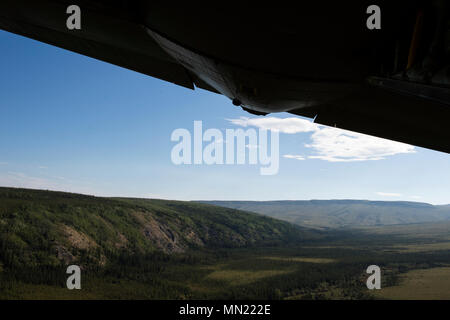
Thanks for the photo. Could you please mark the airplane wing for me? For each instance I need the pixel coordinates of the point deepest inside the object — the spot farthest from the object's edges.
(108, 34)
(319, 61)
(392, 114)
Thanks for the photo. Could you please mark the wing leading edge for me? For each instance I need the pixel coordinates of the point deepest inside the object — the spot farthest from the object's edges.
(117, 32)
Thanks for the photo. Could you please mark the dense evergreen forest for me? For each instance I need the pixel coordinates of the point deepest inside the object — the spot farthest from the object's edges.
(158, 249)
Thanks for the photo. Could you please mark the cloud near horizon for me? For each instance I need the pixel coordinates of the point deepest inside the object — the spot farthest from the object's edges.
(23, 180)
(294, 156)
(328, 143)
(389, 194)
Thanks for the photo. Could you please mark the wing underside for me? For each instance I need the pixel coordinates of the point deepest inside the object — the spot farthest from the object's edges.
(116, 32)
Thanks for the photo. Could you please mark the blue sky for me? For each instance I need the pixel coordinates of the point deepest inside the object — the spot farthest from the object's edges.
(72, 123)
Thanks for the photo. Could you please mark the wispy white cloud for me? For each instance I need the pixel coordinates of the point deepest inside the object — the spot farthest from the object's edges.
(389, 194)
(286, 125)
(331, 144)
(154, 196)
(294, 156)
(337, 145)
(22, 180)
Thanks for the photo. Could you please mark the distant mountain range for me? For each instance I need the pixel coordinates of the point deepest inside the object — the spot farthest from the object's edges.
(343, 213)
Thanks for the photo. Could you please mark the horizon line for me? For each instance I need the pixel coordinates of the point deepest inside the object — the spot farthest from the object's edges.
(234, 200)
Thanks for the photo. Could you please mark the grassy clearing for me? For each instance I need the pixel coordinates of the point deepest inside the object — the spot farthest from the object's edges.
(418, 231)
(253, 269)
(426, 247)
(242, 277)
(301, 259)
(428, 284)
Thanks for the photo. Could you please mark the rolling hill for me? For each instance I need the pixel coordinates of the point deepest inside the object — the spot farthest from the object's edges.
(343, 213)
(49, 228)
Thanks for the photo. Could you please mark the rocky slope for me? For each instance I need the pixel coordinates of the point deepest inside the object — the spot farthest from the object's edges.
(49, 228)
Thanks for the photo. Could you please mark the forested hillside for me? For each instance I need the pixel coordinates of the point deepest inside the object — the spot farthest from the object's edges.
(48, 228)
